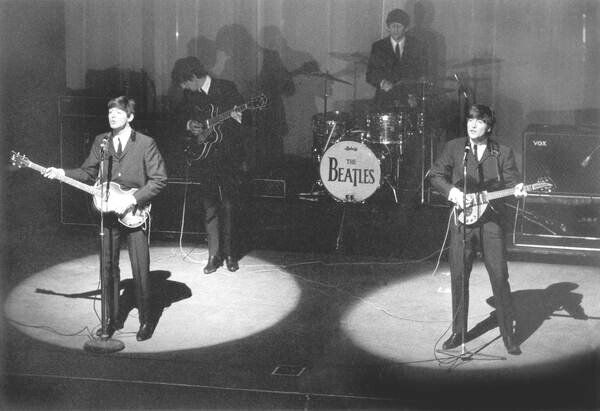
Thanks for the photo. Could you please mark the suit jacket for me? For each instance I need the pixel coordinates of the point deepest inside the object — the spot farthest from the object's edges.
(496, 170)
(225, 157)
(383, 65)
(140, 166)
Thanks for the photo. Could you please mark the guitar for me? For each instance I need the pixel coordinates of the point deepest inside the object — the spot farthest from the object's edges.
(132, 218)
(477, 202)
(200, 145)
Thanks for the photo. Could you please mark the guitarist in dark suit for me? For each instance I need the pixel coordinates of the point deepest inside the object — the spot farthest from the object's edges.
(219, 170)
(490, 166)
(132, 160)
(393, 59)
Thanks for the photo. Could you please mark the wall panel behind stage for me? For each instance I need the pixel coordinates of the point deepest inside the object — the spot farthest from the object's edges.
(545, 51)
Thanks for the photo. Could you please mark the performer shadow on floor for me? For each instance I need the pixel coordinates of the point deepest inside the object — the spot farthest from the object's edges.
(163, 293)
(533, 307)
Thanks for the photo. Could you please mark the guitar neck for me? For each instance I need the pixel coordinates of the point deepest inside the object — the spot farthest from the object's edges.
(219, 118)
(506, 192)
(68, 180)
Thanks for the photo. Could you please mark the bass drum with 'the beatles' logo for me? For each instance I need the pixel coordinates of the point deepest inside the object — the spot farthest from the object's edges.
(350, 171)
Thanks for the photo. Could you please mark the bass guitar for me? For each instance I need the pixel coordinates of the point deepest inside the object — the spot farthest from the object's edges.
(202, 142)
(112, 192)
(477, 202)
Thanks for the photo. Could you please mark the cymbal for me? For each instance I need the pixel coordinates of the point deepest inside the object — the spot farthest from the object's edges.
(356, 57)
(326, 76)
(476, 61)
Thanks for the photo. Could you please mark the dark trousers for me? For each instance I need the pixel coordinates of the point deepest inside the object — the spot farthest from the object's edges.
(489, 236)
(220, 201)
(139, 256)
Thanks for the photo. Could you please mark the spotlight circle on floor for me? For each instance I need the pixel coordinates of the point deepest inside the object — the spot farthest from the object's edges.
(403, 321)
(58, 302)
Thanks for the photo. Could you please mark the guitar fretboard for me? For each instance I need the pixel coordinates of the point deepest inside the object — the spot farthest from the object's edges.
(509, 191)
(219, 118)
(68, 180)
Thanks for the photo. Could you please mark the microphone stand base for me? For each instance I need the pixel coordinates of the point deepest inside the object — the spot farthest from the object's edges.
(103, 346)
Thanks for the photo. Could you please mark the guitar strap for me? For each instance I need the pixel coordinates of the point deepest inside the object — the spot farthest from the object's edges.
(494, 148)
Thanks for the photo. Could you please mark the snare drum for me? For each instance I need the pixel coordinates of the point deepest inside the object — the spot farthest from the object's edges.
(350, 171)
(387, 128)
(335, 123)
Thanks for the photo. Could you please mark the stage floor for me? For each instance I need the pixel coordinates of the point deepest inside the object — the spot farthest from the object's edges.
(298, 330)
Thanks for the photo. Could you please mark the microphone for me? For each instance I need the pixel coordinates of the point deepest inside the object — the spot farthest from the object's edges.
(104, 143)
(586, 161)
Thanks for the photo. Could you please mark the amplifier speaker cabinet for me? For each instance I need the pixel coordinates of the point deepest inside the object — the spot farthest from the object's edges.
(569, 216)
(569, 156)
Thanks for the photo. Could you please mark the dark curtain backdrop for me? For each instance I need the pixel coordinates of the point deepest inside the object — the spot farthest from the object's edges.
(534, 61)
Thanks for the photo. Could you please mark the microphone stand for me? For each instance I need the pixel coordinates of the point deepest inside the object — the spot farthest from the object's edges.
(464, 249)
(103, 344)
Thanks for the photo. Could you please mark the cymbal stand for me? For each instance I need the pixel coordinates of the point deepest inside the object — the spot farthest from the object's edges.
(325, 95)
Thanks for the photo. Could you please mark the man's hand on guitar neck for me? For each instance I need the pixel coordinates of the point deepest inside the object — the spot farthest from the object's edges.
(519, 192)
(236, 114)
(53, 173)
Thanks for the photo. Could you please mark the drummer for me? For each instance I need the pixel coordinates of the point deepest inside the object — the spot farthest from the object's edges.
(396, 64)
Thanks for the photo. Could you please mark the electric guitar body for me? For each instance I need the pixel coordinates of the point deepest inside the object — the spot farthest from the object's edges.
(207, 124)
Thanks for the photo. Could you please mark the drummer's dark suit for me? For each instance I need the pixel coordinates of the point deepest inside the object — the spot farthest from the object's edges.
(496, 170)
(383, 65)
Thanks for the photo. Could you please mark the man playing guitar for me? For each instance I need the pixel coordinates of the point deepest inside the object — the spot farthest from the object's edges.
(492, 166)
(132, 160)
(220, 159)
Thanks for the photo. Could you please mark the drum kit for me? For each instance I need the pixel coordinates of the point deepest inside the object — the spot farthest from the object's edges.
(357, 154)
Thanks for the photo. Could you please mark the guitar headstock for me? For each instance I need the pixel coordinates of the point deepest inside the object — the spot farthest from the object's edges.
(19, 160)
(543, 185)
(258, 102)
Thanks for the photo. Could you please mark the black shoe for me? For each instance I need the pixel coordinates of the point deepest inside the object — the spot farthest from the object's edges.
(145, 332)
(454, 341)
(213, 263)
(232, 264)
(512, 347)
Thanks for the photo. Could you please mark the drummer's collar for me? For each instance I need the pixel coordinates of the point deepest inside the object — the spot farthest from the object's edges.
(400, 42)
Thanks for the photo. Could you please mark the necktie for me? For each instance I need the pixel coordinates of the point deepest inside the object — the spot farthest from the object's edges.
(475, 151)
(397, 51)
(119, 148)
